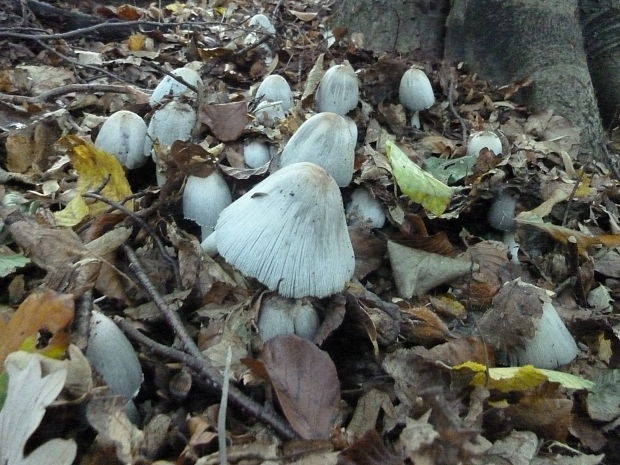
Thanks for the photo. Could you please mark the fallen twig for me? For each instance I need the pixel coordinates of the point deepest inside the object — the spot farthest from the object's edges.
(209, 375)
(58, 91)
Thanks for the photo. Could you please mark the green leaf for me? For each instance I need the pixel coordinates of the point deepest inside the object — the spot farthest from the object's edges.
(450, 171)
(417, 184)
(10, 262)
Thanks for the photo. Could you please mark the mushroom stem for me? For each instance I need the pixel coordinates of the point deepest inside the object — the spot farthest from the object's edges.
(415, 120)
(513, 247)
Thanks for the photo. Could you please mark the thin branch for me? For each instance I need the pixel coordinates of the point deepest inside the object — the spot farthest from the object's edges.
(451, 90)
(58, 91)
(179, 79)
(209, 375)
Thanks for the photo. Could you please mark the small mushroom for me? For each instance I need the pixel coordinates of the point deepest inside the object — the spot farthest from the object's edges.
(484, 140)
(364, 209)
(327, 140)
(170, 86)
(416, 93)
(262, 22)
(338, 90)
(501, 216)
(289, 232)
(281, 316)
(551, 346)
(256, 154)
(274, 88)
(204, 199)
(123, 135)
(114, 358)
(175, 121)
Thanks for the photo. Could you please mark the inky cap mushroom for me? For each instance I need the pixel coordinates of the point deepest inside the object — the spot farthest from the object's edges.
(289, 232)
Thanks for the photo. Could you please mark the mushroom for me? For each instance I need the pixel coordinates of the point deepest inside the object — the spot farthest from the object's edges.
(552, 344)
(501, 216)
(175, 121)
(484, 140)
(114, 358)
(256, 154)
(170, 86)
(338, 90)
(416, 93)
(274, 88)
(123, 135)
(281, 316)
(365, 209)
(204, 199)
(261, 21)
(289, 232)
(327, 140)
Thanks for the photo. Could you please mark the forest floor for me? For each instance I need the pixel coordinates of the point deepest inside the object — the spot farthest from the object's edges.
(447, 345)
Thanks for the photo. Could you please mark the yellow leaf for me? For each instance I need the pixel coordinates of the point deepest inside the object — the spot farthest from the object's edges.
(94, 166)
(417, 184)
(520, 378)
(42, 323)
(135, 42)
(75, 211)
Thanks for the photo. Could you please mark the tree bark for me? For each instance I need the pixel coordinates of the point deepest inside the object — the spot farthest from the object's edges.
(600, 20)
(507, 40)
(401, 26)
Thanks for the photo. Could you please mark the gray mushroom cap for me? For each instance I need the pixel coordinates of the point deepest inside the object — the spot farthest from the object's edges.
(123, 135)
(415, 91)
(170, 86)
(289, 232)
(327, 140)
(274, 88)
(204, 199)
(338, 90)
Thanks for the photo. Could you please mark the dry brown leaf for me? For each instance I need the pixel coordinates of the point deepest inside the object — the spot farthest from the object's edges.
(422, 325)
(306, 384)
(226, 120)
(42, 323)
(369, 450)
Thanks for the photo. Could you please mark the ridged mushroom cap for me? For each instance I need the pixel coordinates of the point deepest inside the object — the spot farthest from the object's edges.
(289, 232)
(123, 135)
(175, 121)
(261, 21)
(484, 139)
(204, 199)
(256, 153)
(365, 209)
(170, 86)
(325, 139)
(338, 90)
(415, 91)
(274, 88)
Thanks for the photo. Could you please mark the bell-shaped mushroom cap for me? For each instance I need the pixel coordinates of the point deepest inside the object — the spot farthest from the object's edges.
(289, 232)
(325, 139)
(256, 154)
(261, 21)
(501, 215)
(172, 87)
(415, 91)
(484, 140)
(204, 199)
(281, 316)
(338, 90)
(175, 121)
(365, 209)
(123, 135)
(274, 88)
(551, 346)
(269, 113)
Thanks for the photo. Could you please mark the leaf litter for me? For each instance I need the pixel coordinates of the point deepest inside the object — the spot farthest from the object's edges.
(406, 365)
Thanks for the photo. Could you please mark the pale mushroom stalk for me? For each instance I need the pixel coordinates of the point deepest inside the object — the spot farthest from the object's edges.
(501, 216)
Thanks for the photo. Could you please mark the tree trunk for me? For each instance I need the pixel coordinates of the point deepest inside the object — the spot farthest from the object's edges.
(507, 40)
(401, 26)
(600, 20)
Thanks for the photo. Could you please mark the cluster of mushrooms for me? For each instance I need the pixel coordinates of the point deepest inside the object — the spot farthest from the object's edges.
(290, 230)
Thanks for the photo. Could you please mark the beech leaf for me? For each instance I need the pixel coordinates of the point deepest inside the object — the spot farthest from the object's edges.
(417, 184)
(306, 384)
